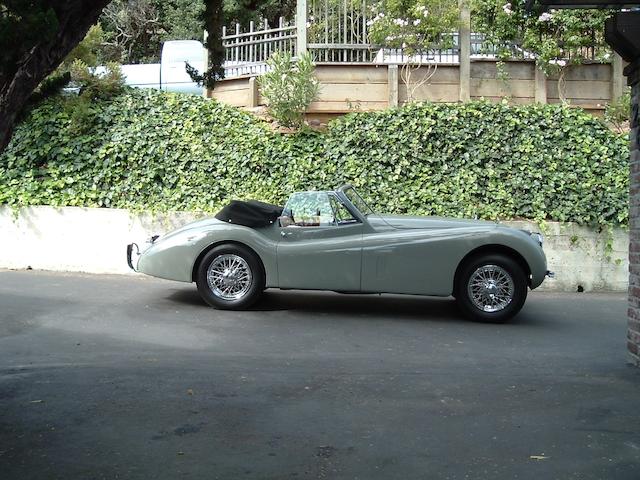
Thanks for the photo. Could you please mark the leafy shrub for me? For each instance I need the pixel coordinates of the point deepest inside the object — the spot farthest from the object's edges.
(289, 87)
(89, 50)
(92, 86)
(617, 112)
(156, 150)
(52, 85)
(97, 85)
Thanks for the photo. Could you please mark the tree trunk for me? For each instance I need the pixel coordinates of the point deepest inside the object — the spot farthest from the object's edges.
(75, 17)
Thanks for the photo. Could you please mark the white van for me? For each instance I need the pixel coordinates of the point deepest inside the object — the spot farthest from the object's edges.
(170, 74)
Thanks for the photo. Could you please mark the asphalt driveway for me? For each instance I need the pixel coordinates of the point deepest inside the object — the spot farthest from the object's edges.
(106, 377)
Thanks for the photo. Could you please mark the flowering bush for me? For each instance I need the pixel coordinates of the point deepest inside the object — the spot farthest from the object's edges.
(414, 25)
(556, 38)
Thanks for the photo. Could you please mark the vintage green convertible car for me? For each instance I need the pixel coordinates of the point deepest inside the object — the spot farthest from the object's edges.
(332, 240)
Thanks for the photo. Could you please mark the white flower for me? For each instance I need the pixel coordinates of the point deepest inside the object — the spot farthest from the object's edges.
(404, 45)
(560, 63)
(370, 22)
(416, 22)
(507, 8)
(545, 17)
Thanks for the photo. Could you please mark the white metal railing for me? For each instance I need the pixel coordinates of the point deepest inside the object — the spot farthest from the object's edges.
(246, 52)
(337, 31)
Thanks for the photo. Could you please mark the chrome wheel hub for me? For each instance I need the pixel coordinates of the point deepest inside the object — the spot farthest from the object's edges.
(229, 277)
(490, 288)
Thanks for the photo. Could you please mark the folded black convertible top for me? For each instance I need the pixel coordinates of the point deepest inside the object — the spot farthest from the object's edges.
(252, 214)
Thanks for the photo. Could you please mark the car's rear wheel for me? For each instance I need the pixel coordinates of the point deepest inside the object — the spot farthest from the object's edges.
(491, 288)
(230, 277)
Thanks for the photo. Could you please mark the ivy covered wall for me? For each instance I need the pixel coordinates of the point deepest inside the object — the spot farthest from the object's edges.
(160, 151)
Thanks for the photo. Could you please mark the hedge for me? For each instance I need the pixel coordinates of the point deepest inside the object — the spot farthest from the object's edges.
(162, 151)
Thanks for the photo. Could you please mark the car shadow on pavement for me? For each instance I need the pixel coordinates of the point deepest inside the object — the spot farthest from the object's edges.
(372, 305)
(187, 296)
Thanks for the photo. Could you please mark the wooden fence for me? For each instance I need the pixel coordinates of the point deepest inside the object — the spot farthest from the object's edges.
(352, 87)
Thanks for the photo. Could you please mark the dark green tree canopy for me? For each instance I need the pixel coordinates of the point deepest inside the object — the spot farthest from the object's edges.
(37, 35)
(32, 22)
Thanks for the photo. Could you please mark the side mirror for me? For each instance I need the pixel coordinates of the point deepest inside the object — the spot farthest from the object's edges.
(285, 221)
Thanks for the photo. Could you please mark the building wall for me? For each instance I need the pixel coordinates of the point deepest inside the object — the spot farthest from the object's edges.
(352, 87)
(633, 333)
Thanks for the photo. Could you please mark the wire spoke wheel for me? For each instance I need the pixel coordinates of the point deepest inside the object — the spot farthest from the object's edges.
(490, 288)
(229, 276)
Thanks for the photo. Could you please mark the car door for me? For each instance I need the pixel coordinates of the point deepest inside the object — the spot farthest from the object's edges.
(320, 246)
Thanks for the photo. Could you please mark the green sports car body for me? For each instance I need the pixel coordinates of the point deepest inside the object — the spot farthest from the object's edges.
(332, 240)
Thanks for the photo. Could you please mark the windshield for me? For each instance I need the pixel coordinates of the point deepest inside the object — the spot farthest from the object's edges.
(357, 200)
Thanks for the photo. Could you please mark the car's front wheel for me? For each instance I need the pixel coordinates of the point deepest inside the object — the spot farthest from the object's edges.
(491, 288)
(230, 277)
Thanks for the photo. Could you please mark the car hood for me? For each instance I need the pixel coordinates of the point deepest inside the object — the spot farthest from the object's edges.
(408, 222)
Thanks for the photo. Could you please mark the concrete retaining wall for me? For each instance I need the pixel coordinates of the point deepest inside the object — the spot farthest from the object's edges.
(583, 259)
(93, 240)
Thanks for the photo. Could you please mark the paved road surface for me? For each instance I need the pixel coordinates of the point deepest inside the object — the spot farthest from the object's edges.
(106, 377)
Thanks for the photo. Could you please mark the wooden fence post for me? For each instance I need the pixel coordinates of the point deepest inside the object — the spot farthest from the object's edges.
(392, 85)
(539, 85)
(301, 27)
(253, 93)
(464, 51)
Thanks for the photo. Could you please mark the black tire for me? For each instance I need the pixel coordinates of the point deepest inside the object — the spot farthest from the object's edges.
(250, 292)
(505, 265)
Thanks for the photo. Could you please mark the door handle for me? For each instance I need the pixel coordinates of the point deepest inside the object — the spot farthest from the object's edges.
(284, 234)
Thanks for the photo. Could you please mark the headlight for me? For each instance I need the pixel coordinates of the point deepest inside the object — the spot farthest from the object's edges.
(538, 237)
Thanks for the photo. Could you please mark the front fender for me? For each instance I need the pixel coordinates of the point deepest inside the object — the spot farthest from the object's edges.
(528, 248)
